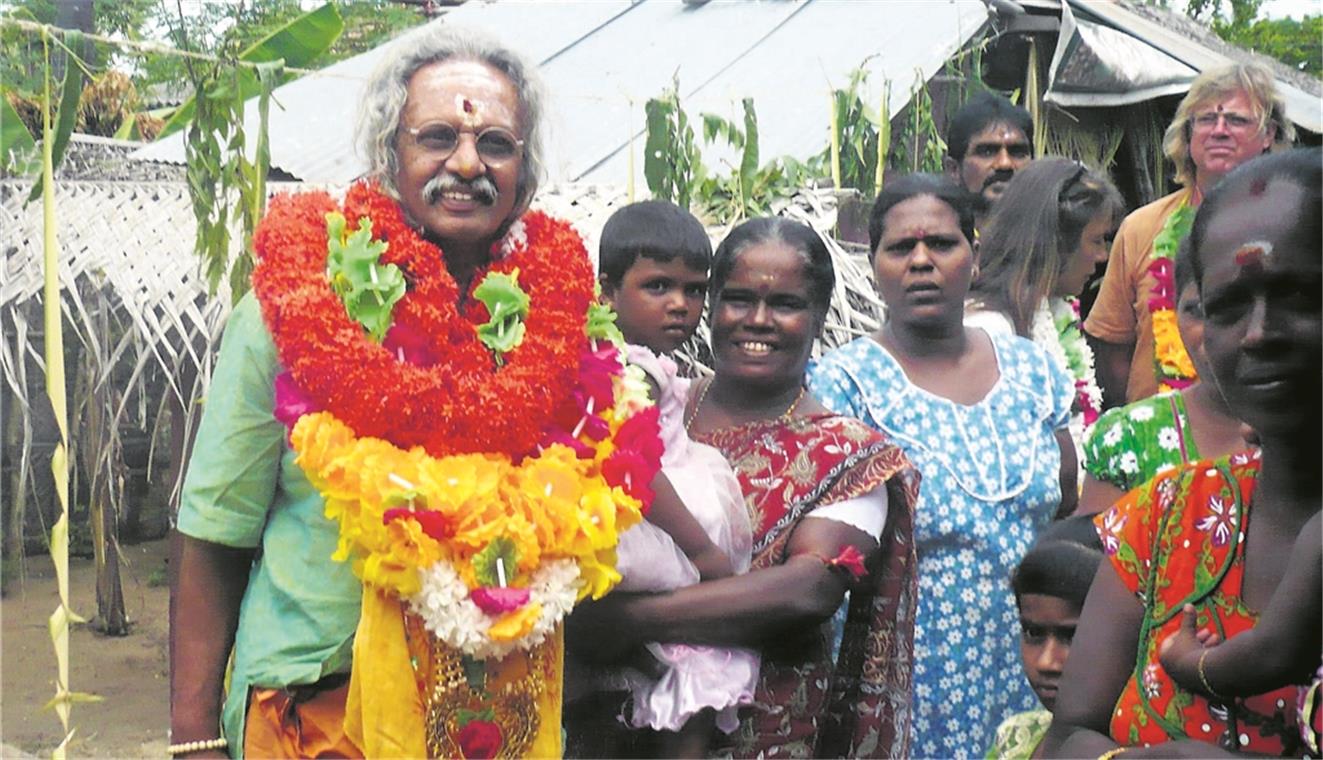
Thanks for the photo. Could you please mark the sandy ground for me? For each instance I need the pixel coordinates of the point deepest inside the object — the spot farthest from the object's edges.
(130, 672)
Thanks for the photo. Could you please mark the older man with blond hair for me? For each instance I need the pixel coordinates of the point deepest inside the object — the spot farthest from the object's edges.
(1230, 115)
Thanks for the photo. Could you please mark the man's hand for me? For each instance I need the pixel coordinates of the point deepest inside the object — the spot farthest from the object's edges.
(1181, 651)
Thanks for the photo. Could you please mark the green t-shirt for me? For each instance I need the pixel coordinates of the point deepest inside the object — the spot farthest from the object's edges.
(1129, 446)
(243, 489)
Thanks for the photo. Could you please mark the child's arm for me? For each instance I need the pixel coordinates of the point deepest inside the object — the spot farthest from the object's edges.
(670, 514)
(1282, 649)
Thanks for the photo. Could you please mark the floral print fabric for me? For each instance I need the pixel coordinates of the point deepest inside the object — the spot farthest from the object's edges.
(1019, 735)
(806, 705)
(1180, 539)
(1130, 445)
(990, 483)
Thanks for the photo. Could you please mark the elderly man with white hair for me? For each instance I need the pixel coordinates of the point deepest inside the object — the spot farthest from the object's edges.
(358, 392)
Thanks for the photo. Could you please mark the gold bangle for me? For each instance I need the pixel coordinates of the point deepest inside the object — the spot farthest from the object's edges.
(197, 746)
(1113, 752)
(1203, 677)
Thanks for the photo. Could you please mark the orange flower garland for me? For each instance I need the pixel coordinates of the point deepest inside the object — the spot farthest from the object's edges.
(464, 403)
(1171, 362)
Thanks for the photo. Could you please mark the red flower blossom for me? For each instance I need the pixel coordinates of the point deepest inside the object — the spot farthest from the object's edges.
(460, 403)
(480, 740)
(1163, 295)
(409, 345)
(851, 561)
(291, 403)
(637, 457)
(433, 523)
(497, 601)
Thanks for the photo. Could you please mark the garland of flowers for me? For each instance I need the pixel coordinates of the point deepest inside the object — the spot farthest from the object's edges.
(1057, 328)
(480, 463)
(450, 397)
(1171, 362)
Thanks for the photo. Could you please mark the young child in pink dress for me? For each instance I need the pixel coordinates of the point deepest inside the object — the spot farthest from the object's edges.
(653, 264)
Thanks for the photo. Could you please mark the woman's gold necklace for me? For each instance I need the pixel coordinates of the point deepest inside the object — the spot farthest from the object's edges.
(702, 396)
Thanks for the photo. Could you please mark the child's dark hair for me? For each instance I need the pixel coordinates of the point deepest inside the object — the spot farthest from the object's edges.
(965, 204)
(1062, 561)
(659, 230)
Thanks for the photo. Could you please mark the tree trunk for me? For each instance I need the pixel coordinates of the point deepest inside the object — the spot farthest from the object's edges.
(100, 455)
(11, 564)
(74, 14)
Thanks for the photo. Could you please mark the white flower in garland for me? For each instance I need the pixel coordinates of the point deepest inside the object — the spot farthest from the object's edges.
(451, 615)
(1056, 328)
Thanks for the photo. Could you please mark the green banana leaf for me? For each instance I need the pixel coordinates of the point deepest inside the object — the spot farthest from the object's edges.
(70, 92)
(18, 151)
(297, 43)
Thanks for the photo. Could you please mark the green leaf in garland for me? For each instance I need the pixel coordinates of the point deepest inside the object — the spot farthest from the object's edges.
(465, 716)
(507, 305)
(368, 288)
(484, 562)
(601, 322)
(1176, 228)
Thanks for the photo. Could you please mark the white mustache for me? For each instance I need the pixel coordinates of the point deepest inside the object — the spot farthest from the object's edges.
(483, 189)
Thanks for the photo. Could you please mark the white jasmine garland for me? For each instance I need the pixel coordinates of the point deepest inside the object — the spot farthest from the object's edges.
(448, 613)
(1056, 328)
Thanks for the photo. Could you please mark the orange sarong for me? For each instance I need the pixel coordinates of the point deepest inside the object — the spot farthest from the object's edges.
(281, 726)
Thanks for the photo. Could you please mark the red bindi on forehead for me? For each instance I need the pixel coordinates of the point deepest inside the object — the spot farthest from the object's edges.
(1252, 257)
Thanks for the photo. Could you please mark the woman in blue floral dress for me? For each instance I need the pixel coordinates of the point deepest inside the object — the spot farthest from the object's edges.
(984, 419)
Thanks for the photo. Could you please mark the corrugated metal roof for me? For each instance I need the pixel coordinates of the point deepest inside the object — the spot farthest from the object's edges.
(603, 59)
(1302, 107)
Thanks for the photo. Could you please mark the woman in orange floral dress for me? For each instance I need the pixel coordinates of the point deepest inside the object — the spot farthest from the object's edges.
(1216, 533)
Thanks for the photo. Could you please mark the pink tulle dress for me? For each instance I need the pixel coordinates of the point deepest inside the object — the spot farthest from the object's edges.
(693, 677)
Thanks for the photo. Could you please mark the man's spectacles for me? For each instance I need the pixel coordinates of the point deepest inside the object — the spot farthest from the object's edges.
(495, 145)
(1235, 122)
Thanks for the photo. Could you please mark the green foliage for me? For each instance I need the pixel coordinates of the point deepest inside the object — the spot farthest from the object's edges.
(499, 549)
(507, 307)
(22, 62)
(1298, 44)
(18, 151)
(216, 27)
(672, 162)
(674, 169)
(860, 127)
(68, 114)
(920, 143)
(368, 289)
(219, 171)
(297, 43)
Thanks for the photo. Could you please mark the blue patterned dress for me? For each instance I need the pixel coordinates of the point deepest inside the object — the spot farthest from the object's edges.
(990, 482)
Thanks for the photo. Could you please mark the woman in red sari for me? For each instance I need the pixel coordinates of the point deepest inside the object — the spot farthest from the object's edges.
(831, 502)
(1215, 534)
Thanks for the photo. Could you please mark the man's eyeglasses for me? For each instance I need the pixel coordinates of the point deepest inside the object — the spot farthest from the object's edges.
(495, 145)
(1207, 122)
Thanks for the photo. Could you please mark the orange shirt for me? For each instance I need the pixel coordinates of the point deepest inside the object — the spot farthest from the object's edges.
(1121, 315)
(1181, 538)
